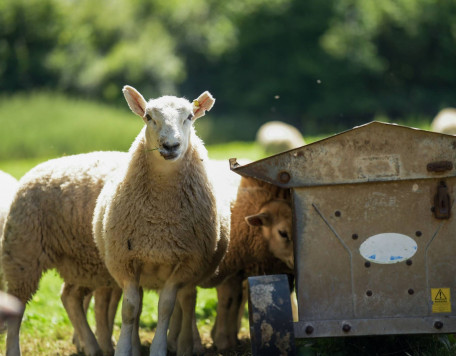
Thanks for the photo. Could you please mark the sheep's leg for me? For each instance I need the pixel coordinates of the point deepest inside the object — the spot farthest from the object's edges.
(116, 293)
(198, 347)
(130, 309)
(229, 295)
(174, 328)
(72, 299)
(166, 303)
(135, 340)
(102, 298)
(245, 295)
(12, 339)
(187, 300)
(86, 303)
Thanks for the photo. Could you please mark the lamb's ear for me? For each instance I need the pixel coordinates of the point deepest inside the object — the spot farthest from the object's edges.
(204, 103)
(261, 219)
(135, 100)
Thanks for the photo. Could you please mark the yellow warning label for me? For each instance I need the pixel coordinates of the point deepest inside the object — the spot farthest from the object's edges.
(441, 300)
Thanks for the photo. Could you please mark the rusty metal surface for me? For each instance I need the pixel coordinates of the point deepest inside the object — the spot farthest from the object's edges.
(335, 281)
(374, 230)
(372, 152)
(362, 327)
(271, 323)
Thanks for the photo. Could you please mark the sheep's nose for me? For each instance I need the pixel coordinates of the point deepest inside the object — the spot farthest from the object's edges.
(171, 147)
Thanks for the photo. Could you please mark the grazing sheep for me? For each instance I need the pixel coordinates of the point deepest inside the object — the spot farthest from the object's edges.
(158, 224)
(260, 227)
(445, 122)
(50, 226)
(277, 136)
(260, 242)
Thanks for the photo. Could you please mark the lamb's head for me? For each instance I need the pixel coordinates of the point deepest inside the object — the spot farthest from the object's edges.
(169, 120)
(275, 220)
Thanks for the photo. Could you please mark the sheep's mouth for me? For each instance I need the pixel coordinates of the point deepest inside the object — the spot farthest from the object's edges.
(169, 156)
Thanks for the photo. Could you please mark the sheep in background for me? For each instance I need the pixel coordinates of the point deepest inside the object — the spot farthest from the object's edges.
(50, 226)
(277, 136)
(445, 122)
(158, 225)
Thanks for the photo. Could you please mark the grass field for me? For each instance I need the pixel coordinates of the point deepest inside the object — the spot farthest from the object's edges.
(36, 127)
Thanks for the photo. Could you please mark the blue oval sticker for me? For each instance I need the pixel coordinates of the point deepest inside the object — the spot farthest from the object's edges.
(388, 248)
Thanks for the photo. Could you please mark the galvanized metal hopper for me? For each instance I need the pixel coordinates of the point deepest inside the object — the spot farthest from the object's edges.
(375, 237)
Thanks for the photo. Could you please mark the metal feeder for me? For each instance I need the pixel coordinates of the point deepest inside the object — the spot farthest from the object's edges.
(375, 240)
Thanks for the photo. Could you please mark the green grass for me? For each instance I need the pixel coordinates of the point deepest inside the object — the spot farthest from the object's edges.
(46, 329)
(51, 125)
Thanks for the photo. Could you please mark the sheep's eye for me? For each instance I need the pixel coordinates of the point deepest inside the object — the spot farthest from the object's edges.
(190, 117)
(148, 117)
(283, 234)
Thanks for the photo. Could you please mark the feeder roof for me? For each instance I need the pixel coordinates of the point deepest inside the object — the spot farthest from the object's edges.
(372, 152)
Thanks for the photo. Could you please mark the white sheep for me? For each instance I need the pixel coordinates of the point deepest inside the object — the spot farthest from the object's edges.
(158, 225)
(8, 186)
(50, 226)
(445, 121)
(277, 136)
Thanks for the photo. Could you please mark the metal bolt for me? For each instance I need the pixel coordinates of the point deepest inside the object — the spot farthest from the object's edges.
(284, 177)
(337, 213)
(438, 325)
(411, 291)
(309, 329)
(418, 233)
(408, 262)
(369, 293)
(355, 236)
(367, 264)
(346, 328)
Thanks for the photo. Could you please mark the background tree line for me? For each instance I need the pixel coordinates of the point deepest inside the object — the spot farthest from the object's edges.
(320, 65)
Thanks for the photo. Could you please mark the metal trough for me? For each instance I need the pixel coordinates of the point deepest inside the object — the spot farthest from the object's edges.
(374, 232)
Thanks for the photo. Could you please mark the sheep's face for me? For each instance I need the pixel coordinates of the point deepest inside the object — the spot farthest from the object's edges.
(275, 220)
(169, 121)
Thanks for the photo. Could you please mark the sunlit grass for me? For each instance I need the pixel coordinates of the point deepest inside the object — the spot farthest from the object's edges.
(51, 125)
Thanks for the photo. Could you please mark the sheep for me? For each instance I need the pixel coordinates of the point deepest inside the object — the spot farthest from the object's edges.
(260, 234)
(277, 136)
(260, 227)
(445, 121)
(50, 226)
(158, 225)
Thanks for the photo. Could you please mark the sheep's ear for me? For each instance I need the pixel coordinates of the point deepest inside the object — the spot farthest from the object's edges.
(204, 103)
(135, 100)
(262, 219)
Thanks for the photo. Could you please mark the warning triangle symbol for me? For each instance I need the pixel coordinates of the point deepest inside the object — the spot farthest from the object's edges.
(440, 297)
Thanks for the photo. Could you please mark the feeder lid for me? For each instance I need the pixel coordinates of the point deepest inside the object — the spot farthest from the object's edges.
(373, 152)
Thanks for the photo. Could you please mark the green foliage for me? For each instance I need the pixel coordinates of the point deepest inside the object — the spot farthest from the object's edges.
(323, 66)
(28, 32)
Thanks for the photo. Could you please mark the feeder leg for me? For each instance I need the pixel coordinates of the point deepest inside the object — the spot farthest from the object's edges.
(271, 321)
